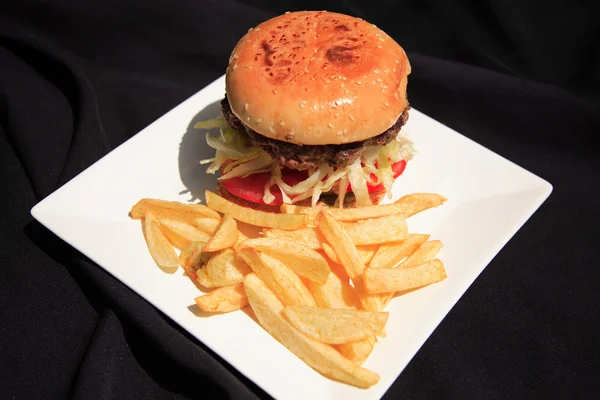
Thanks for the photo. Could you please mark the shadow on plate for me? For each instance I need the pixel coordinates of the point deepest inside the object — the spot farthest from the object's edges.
(192, 150)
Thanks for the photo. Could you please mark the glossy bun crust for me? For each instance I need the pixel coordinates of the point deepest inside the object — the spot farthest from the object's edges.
(317, 78)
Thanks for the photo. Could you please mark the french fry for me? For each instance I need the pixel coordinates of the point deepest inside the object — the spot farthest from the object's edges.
(293, 209)
(225, 236)
(330, 252)
(379, 230)
(321, 357)
(349, 214)
(224, 299)
(241, 237)
(363, 233)
(386, 280)
(390, 254)
(280, 278)
(192, 257)
(254, 217)
(367, 252)
(161, 250)
(358, 351)
(306, 278)
(336, 292)
(415, 203)
(311, 237)
(223, 269)
(346, 252)
(304, 261)
(181, 234)
(335, 326)
(206, 224)
(172, 210)
(364, 252)
(427, 251)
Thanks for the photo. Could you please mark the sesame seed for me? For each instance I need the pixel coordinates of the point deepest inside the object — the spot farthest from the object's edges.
(281, 123)
(235, 56)
(397, 62)
(258, 121)
(330, 125)
(271, 129)
(306, 70)
(322, 107)
(386, 104)
(246, 106)
(366, 85)
(248, 119)
(234, 67)
(358, 82)
(376, 71)
(339, 133)
(302, 104)
(274, 91)
(379, 80)
(341, 85)
(385, 71)
(380, 47)
(257, 29)
(347, 91)
(372, 83)
(385, 86)
(345, 130)
(351, 117)
(393, 69)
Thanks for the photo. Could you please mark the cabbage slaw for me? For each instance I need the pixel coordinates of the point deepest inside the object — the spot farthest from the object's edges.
(233, 145)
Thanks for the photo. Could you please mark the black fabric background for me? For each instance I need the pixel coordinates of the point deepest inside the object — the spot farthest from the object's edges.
(79, 78)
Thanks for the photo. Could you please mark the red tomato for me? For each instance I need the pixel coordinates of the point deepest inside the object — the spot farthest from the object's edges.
(251, 188)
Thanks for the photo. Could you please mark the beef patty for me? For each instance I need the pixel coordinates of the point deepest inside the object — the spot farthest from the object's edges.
(303, 157)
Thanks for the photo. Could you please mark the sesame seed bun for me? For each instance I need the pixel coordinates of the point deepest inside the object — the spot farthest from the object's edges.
(317, 78)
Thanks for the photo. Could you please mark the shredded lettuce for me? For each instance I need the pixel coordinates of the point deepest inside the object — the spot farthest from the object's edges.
(218, 122)
(304, 185)
(357, 179)
(268, 197)
(242, 160)
(263, 160)
(373, 167)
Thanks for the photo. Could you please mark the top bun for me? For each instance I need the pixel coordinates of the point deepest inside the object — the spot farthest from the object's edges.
(317, 78)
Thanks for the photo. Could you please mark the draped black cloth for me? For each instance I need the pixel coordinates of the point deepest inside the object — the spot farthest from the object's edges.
(77, 78)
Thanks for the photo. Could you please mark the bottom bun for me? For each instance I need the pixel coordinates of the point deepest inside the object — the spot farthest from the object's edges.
(326, 198)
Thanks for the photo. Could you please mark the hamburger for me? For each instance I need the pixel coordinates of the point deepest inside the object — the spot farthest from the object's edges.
(313, 110)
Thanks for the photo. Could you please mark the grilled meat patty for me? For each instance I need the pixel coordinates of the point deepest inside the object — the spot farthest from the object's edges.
(303, 157)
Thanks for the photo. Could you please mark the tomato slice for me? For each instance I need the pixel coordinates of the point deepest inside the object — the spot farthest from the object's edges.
(251, 188)
(397, 169)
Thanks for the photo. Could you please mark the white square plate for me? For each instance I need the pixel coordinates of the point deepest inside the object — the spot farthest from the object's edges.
(490, 198)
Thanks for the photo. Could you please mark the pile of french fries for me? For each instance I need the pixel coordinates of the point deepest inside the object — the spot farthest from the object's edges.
(317, 279)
